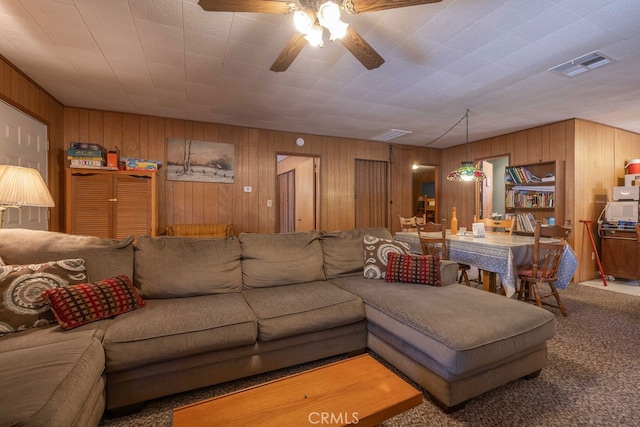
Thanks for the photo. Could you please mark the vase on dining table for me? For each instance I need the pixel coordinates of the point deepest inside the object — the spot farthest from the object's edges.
(454, 223)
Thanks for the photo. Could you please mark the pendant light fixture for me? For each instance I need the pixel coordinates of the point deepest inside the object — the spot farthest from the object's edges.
(467, 172)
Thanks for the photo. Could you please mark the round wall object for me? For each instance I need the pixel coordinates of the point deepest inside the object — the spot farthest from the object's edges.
(299, 142)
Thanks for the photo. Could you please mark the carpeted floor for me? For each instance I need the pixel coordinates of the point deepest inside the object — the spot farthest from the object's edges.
(592, 377)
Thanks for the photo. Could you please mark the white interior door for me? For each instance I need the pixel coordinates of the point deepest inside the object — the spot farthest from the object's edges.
(23, 142)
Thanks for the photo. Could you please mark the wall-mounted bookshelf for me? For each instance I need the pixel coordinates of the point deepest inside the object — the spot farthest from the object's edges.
(535, 192)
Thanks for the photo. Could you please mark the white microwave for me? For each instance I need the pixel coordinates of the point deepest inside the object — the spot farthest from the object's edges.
(621, 211)
(626, 193)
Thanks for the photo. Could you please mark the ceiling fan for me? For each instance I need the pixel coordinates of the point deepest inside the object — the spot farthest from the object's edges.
(311, 17)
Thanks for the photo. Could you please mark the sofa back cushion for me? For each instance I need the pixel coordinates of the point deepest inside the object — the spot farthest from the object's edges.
(169, 267)
(343, 252)
(280, 259)
(103, 257)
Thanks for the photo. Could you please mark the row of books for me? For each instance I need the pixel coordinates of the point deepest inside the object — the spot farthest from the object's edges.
(520, 175)
(525, 222)
(529, 199)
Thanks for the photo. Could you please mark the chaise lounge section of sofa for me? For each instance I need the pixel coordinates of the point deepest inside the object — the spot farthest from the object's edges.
(222, 309)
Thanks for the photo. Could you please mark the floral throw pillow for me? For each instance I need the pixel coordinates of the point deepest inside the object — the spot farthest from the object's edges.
(80, 304)
(421, 269)
(376, 255)
(21, 306)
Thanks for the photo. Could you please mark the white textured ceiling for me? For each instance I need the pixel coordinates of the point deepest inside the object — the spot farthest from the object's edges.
(170, 58)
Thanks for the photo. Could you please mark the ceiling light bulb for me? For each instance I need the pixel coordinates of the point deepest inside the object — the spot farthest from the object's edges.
(328, 14)
(338, 30)
(314, 36)
(304, 20)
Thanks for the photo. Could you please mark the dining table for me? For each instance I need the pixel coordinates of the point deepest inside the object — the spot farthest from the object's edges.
(496, 254)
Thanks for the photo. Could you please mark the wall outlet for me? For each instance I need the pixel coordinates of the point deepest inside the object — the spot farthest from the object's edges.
(248, 189)
(269, 203)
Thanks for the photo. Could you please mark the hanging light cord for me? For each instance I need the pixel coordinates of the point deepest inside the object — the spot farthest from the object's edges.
(466, 115)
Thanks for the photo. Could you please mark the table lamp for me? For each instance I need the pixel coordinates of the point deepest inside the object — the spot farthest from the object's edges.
(22, 187)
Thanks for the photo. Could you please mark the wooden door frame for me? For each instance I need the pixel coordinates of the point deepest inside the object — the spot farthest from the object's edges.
(317, 186)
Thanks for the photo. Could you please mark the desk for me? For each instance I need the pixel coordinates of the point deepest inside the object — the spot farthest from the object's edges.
(497, 253)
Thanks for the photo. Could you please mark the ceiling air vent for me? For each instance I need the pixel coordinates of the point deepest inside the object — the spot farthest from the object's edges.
(582, 64)
(390, 134)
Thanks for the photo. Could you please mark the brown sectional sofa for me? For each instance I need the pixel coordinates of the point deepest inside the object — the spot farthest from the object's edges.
(222, 309)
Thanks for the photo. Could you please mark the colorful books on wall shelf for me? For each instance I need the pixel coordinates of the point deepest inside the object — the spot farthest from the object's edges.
(520, 175)
(530, 197)
(525, 222)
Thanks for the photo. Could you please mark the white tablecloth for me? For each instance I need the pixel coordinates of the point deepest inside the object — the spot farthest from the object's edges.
(500, 253)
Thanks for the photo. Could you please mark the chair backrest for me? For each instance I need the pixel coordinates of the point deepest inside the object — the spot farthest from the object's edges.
(433, 238)
(407, 224)
(555, 231)
(546, 255)
(504, 226)
(421, 219)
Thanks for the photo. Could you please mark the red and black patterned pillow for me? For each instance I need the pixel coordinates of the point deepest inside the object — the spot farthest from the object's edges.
(422, 269)
(80, 304)
(21, 285)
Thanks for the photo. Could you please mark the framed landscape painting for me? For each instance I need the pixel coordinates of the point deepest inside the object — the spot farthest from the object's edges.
(200, 161)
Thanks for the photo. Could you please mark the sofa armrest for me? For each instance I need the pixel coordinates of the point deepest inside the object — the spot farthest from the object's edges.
(448, 272)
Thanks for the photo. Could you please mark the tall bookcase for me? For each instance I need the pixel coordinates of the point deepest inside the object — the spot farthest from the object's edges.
(110, 203)
(535, 192)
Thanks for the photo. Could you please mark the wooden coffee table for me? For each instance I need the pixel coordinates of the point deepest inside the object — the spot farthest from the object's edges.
(358, 390)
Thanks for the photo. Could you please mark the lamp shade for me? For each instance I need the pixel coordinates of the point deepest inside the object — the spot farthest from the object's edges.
(466, 172)
(23, 187)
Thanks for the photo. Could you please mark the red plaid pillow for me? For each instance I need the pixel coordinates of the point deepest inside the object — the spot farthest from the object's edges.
(420, 269)
(79, 304)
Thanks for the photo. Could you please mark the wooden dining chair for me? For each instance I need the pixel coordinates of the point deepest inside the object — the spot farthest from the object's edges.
(543, 271)
(407, 224)
(433, 240)
(421, 219)
(504, 226)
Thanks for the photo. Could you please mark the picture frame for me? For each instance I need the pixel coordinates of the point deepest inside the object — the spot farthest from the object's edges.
(200, 161)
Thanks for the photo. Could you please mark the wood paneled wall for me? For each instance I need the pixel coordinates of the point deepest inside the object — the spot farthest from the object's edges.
(255, 166)
(21, 92)
(594, 156)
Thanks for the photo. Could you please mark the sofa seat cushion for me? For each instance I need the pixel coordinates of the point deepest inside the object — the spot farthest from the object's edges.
(461, 328)
(287, 311)
(52, 334)
(280, 259)
(48, 385)
(173, 328)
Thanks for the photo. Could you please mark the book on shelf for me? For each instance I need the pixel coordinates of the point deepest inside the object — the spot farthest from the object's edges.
(521, 175)
(525, 222)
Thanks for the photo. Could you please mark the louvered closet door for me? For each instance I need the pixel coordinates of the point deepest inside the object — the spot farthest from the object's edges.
(89, 206)
(133, 213)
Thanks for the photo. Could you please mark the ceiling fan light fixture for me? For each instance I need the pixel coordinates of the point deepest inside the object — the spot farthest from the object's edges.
(304, 20)
(329, 17)
(314, 36)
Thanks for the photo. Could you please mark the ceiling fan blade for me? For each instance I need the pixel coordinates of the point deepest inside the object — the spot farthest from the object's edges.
(258, 6)
(361, 49)
(289, 53)
(361, 6)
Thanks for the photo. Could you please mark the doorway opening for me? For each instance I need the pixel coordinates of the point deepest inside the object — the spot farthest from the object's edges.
(490, 193)
(297, 192)
(426, 201)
